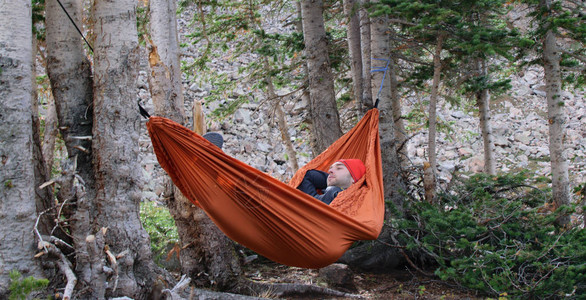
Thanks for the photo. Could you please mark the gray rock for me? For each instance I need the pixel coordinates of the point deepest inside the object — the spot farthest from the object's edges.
(523, 138)
(149, 196)
(476, 164)
(501, 141)
(338, 276)
(458, 114)
(448, 166)
(264, 147)
(242, 115)
(465, 151)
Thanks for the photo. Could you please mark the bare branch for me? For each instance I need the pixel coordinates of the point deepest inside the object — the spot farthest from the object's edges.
(65, 267)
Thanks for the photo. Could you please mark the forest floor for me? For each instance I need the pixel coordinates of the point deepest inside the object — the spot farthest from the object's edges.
(395, 284)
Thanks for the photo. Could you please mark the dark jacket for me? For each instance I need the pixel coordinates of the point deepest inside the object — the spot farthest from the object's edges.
(315, 180)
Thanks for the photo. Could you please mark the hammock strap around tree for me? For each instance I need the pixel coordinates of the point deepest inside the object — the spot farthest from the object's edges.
(267, 216)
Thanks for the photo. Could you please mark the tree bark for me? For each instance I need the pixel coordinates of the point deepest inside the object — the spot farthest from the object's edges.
(430, 179)
(17, 192)
(50, 135)
(282, 120)
(483, 102)
(206, 255)
(305, 98)
(557, 120)
(400, 133)
(115, 146)
(351, 9)
(324, 113)
(393, 184)
(366, 57)
(165, 78)
(70, 75)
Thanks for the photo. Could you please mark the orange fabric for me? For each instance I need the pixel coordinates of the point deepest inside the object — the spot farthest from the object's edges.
(272, 218)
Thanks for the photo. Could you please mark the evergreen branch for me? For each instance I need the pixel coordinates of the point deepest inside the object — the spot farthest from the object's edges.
(574, 55)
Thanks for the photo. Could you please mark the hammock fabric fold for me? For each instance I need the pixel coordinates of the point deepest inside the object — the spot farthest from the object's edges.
(267, 216)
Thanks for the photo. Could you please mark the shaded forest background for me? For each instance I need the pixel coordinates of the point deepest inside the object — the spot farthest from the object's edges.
(473, 200)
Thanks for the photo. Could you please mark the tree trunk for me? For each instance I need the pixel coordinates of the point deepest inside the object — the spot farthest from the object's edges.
(351, 8)
(557, 120)
(71, 84)
(324, 113)
(400, 133)
(116, 150)
(50, 134)
(282, 120)
(393, 184)
(43, 197)
(305, 98)
(430, 176)
(366, 57)
(206, 254)
(17, 192)
(199, 125)
(165, 78)
(483, 101)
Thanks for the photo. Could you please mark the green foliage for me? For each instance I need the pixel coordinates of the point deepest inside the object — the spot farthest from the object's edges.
(568, 22)
(38, 17)
(160, 226)
(497, 234)
(20, 287)
(142, 21)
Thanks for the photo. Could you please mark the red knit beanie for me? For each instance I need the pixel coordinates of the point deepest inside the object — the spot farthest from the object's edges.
(355, 167)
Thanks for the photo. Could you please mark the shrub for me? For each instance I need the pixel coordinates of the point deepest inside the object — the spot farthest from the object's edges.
(20, 287)
(160, 226)
(497, 234)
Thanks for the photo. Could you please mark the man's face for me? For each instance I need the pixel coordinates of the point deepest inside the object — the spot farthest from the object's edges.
(339, 176)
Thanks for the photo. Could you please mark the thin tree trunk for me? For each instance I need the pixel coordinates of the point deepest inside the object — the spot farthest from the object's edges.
(50, 134)
(43, 197)
(164, 61)
(324, 113)
(394, 187)
(305, 98)
(116, 150)
(199, 125)
(366, 57)
(430, 176)
(282, 120)
(17, 190)
(557, 120)
(351, 9)
(483, 101)
(400, 133)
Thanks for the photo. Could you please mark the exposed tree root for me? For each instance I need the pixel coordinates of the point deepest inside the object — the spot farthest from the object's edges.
(289, 289)
(247, 289)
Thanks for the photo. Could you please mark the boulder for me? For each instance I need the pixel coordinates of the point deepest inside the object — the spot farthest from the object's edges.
(338, 276)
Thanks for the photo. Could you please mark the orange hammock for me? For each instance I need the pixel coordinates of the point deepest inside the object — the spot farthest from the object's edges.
(270, 217)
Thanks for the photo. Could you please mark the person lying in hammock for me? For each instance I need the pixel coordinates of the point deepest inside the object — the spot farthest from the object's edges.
(341, 175)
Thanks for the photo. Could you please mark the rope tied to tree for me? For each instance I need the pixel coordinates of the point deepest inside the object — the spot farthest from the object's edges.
(384, 70)
(75, 25)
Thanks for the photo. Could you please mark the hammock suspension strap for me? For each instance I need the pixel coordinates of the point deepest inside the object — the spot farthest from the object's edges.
(384, 70)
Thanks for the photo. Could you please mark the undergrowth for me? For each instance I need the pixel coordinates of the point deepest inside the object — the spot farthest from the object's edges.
(160, 226)
(498, 235)
(21, 288)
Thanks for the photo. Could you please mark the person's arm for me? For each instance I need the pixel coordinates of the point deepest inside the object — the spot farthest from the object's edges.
(314, 180)
(329, 194)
